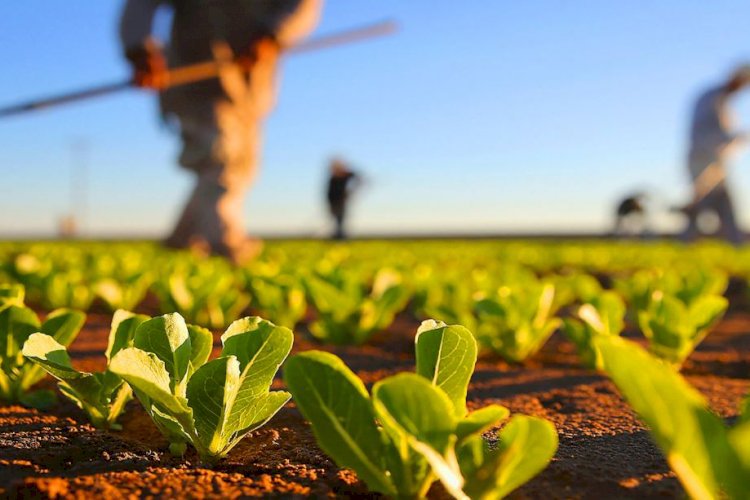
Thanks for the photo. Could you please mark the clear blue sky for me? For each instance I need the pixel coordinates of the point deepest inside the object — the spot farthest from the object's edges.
(487, 115)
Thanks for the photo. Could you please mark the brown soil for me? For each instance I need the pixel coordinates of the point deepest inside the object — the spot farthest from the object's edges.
(604, 451)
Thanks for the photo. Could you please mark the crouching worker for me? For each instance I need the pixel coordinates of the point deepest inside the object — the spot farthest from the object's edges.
(220, 119)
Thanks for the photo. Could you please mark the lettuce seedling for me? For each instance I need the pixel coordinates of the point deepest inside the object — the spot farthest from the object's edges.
(603, 315)
(125, 293)
(707, 456)
(349, 318)
(102, 396)
(518, 320)
(213, 404)
(17, 323)
(206, 293)
(414, 428)
(674, 329)
(280, 298)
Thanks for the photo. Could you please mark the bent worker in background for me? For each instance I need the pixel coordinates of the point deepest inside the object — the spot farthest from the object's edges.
(341, 183)
(712, 140)
(219, 120)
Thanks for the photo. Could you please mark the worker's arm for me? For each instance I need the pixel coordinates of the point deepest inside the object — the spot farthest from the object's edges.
(292, 20)
(140, 47)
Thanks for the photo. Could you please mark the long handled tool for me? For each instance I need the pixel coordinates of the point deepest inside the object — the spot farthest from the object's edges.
(202, 70)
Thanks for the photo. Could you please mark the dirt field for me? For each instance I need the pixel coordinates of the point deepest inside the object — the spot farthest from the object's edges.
(604, 451)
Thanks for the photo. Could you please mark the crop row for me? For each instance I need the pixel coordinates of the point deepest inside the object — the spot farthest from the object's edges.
(411, 430)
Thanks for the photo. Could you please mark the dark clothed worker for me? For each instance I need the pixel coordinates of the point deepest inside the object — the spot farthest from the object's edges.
(219, 120)
(630, 217)
(341, 184)
(713, 139)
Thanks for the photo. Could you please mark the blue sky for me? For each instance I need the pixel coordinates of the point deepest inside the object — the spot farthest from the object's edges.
(476, 116)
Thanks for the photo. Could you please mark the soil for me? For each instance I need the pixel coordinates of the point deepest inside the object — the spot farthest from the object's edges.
(604, 452)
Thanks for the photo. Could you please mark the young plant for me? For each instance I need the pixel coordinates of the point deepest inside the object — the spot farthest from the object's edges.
(414, 428)
(123, 293)
(708, 457)
(17, 323)
(206, 293)
(517, 321)
(350, 318)
(213, 404)
(604, 315)
(674, 329)
(281, 298)
(102, 396)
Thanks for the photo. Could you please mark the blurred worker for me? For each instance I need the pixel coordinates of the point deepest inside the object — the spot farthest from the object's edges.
(630, 217)
(220, 119)
(712, 140)
(341, 184)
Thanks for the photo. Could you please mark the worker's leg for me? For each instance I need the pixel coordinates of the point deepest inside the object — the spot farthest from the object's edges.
(724, 207)
(199, 133)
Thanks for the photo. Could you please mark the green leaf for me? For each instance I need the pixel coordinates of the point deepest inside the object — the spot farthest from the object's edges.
(16, 324)
(261, 347)
(63, 325)
(211, 391)
(122, 331)
(168, 338)
(408, 404)
(691, 437)
(526, 446)
(42, 399)
(82, 388)
(337, 405)
(147, 373)
(446, 356)
(737, 481)
(481, 420)
(12, 294)
(418, 417)
(201, 344)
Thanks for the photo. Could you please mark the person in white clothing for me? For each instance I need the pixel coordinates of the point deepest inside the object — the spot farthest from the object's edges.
(220, 119)
(712, 140)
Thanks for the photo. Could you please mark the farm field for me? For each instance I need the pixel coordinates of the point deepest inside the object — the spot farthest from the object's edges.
(364, 301)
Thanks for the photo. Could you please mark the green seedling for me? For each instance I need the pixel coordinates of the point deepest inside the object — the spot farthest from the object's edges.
(674, 329)
(280, 298)
(517, 321)
(17, 324)
(209, 404)
(205, 292)
(102, 396)
(604, 315)
(351, 318)
(414, 428)
(124, 293)
(710, 459)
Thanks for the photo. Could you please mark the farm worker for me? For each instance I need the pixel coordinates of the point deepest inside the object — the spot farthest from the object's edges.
(712, 140)
(630, 216)
(219, 120)
(341, 184)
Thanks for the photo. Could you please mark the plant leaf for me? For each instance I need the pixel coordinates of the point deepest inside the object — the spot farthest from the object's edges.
(261, 347)
(122, 331)
(690, 436)
(446, 356)
(481, 420)
(337, 405)
(147, 373)
(211, 391)
(201, 344)
(526, 446)
(168, 338)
